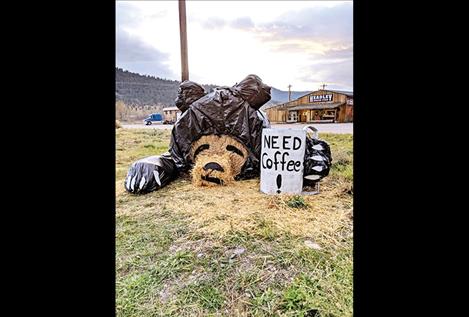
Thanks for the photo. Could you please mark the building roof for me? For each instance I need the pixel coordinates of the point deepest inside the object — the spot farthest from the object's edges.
(170, 108)
(264, 107)
(313, 106)
(343, 92)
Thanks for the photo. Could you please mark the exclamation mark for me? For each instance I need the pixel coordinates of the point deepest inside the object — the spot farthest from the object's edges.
(279, 183)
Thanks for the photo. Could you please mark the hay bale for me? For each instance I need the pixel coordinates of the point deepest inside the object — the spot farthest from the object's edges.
(222, 150)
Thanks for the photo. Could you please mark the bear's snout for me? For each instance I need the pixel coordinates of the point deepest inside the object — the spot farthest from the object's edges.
(213, 166)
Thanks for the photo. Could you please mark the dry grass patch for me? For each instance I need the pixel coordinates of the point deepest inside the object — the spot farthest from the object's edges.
(241, 206)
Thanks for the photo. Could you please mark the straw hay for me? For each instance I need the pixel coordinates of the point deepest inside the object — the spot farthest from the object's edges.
(226, 177)
(241, 206)
(217, 152)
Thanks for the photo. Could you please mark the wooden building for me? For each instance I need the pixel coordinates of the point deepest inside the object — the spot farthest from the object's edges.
(317, 106)
(171, 114)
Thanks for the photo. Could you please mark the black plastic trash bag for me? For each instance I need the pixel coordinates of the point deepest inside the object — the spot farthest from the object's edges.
(253, 91)
(150, 173)
(318, 158)
(188, 93)
(228, 111)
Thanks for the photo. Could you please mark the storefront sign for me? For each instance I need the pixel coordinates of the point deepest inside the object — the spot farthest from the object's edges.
(320, 98)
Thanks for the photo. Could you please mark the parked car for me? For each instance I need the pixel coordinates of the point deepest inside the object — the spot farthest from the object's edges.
(153, 118)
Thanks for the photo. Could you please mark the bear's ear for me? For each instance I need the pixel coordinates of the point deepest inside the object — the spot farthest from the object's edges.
(253, 90)
(261, 97)
(188, 92)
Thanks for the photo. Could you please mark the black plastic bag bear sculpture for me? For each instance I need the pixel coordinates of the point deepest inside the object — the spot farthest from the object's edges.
(218, 139)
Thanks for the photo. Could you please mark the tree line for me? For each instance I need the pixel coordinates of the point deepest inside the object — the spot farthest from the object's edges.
(140, 90)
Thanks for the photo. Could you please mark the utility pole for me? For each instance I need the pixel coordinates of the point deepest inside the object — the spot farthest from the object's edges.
(289, 93)
(183, 38)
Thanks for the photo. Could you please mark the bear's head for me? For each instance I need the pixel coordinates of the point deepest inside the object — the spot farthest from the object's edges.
(218, 159)
(218, 135)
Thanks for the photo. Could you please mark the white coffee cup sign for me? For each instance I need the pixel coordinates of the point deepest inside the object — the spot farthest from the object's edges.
(282, 157)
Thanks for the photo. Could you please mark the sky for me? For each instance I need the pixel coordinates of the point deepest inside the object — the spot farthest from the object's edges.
(299, 43)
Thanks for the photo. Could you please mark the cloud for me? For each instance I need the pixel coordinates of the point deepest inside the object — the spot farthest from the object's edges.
(135, 55)
(132, 52)
(213, 23)
(157, 15)
(345, 52)
(324, 34)
(335, 67)
(321, 24)
(308, 27)
(127, 15)
(337, 75)
(244, 23)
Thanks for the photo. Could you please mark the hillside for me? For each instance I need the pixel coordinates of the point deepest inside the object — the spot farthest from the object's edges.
(279, 96)
(139, 90)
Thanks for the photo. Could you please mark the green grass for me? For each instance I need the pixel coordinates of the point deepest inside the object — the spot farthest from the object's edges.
(167, 266)
(342, 154)
(204, 294)
(297, 202)
(132, 145)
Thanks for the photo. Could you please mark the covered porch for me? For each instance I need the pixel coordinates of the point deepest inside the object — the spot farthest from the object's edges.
(314, 113)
